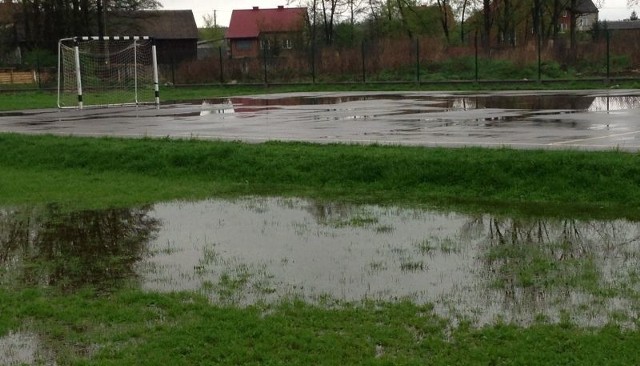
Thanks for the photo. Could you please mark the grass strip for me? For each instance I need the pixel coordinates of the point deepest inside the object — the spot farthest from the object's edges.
(104, 172)
(136, 328)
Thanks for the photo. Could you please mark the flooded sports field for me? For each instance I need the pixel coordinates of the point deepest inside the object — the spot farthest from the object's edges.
(477, 268)
(593, 119)
(480, 267)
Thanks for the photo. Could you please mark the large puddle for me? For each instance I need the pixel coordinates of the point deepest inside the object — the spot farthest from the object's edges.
(533, 103)
(481, 267)
(591, 120)
(409, 117)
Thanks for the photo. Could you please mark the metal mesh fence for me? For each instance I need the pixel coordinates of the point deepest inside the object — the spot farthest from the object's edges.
(610, 57)
(614, 55)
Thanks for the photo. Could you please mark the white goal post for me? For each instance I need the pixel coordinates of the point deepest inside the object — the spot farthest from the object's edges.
(105, 71)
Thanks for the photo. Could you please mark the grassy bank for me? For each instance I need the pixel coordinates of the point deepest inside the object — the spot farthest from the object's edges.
(102, 172)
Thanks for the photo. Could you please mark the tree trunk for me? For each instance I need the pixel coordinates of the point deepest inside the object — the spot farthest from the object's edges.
(444, 17)
(487, 17)
(464, 8)
(100, 14)
(572, 23)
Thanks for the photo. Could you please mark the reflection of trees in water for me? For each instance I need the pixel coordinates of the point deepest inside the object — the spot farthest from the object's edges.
(548, 102)
(70, 250)
(614, 103)
(14, 231)
(331, 212)
(538, 260)
(529, 102)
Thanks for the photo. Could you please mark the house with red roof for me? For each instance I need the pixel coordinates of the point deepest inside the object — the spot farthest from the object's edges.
(586, 14)
(253, 31)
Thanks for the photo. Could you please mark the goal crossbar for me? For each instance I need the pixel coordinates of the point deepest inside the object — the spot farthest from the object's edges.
(107, 70)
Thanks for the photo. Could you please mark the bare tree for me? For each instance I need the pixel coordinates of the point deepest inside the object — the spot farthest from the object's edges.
(554, 23)
(46, 21)
(573, 15)
(329, 10)
(356, 8)
(464, 6)
(445, 16)
(487, 17)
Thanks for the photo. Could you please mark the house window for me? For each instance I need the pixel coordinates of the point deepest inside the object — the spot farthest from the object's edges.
(563, 27)
(243, 45)
(287, 44)
(265, 44)
(583, 23)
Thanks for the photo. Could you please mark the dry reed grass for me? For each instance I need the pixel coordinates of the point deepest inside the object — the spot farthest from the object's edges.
(398, 58)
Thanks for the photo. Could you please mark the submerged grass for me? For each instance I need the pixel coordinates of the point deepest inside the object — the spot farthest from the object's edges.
(114, 172)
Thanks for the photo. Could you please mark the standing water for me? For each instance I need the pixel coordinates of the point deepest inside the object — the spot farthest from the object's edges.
(482, 267)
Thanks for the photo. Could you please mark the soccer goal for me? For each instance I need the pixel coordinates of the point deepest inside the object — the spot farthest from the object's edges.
(105, 71)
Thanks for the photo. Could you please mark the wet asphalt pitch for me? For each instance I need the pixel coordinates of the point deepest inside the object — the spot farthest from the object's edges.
(591, 119)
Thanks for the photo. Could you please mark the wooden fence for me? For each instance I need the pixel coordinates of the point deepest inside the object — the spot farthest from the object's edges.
(10, 76)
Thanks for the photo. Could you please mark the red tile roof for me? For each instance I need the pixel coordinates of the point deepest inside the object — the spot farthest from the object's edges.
(8, 11)
(249, 23)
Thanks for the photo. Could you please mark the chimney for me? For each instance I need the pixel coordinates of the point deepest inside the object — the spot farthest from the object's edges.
(280, 7)
(255, 8)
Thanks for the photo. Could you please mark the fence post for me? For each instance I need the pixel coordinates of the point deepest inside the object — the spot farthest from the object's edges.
(221, 71)
(608, 56)
(313, 47)
(418, 60)
(364, 71)
(173, 69)
(539, 39)
(539, 61)
(264, 59)
(313, 60)
(38, 71)
(476, 55)
(364, 67)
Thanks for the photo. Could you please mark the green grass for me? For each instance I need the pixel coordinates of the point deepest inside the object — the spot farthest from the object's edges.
(107, 172)
(135, 328)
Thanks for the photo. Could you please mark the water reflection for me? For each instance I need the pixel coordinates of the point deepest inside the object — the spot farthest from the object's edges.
(70, 250)
(264, 249)
(478, 266)
(533, 263)
(533, 102)
(24, 348)
(224, 107)
(618, 103)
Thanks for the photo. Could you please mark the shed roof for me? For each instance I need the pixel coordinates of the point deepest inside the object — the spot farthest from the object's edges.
(160, 24)
(249, 23)
(623, 25)
(586, 7)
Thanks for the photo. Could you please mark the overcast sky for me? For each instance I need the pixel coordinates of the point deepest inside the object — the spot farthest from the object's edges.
(611, 10)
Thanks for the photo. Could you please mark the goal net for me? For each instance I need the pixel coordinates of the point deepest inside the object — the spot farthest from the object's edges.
(104, 71)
